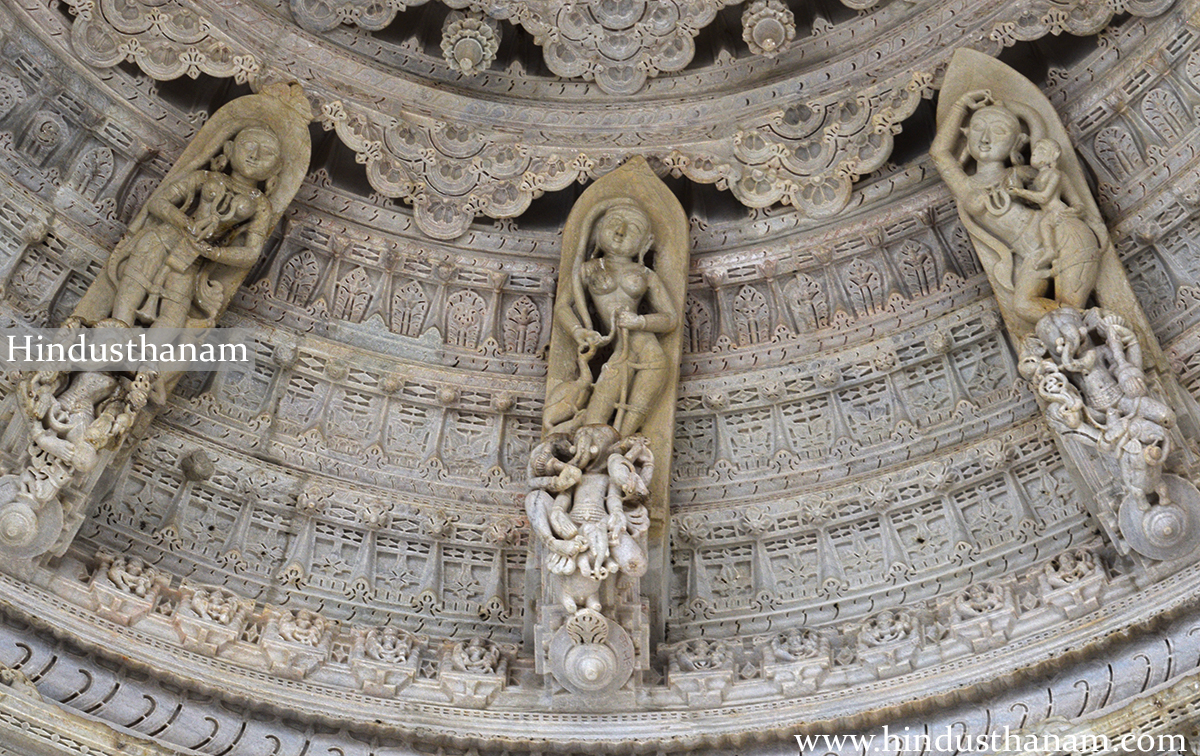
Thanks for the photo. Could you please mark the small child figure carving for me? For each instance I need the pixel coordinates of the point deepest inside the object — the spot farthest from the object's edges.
(1046, 190)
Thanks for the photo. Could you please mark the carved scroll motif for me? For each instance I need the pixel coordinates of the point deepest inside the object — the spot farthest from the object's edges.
(178, 266)
(1086, 345)
(599, 476)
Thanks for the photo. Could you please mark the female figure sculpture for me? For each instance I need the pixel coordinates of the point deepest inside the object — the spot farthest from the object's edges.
(1014, 232)
(188, 249)
(1086, 346)
(987, 115)
(178, 265)
(599, 477)
(205, 216)
(610, 277)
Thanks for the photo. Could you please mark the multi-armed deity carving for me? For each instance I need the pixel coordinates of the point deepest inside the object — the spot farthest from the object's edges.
(1085, 344)
(599, 476)
(178, 266)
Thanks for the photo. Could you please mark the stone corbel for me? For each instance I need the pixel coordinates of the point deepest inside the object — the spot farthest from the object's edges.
(178, 266)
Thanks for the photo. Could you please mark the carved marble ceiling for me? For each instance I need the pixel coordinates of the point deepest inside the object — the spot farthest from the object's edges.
(869, 521)
(801, 127)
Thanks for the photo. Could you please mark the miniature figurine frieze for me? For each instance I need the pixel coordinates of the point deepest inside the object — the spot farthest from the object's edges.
(1085, 344)
(888, 642)
(125, 589)
(1073, 582)
(384, 659)
(701, 670)
(797, 660)
(982, 615)
(210, 618)
(18, 682)
(599, 477)
(296, 642)
(474, 671)
(178, 266)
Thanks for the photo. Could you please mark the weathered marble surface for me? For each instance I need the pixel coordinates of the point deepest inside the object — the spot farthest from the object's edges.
(371, 467)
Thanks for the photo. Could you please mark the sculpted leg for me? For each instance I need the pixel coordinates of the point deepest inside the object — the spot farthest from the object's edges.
(605, 395)
(1029, 294)
(1078, 264)
(646, 387)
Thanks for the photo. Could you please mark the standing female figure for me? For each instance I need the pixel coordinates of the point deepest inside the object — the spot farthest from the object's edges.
(612, 280)
(1007, 232)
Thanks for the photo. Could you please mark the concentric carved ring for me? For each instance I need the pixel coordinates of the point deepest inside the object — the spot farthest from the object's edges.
(599, 662)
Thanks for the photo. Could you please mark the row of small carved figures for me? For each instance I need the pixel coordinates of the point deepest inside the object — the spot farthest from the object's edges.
(291, 643)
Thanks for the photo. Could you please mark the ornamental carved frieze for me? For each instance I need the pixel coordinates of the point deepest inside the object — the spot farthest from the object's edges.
(618, 45)
(805, 144)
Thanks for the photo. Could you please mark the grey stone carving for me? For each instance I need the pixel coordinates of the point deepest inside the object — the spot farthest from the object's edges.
(178, 265)
(606, 422)
(806, 143)
(1087, 370)
(210, 618)
(296, 642)
(470, 41)
(850, 435)
(73, 422)
(617, 45)
(768, 26)
(1048, 256)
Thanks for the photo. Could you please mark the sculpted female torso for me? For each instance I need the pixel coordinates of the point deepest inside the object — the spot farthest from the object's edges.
(206, 215)
(617, 283)
(1010, 228)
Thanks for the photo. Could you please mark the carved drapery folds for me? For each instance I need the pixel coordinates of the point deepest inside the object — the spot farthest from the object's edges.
(600, 474)
(1085, 345)
(179, 264)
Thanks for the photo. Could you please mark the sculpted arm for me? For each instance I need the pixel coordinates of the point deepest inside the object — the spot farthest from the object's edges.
(663, 319)
(1045, 195)
(167, 204)
(567, 317)
(567, 320)
(243, 255)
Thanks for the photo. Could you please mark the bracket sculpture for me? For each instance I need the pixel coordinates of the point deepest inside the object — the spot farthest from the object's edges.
(599, 478)
(1085, 345)
(178, 266)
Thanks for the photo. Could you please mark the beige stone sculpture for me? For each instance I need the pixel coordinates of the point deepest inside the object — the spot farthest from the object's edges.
(599, 477)
(190, 246)
(178, 265)
(988, 116)
(610, 276)
(1086, 346)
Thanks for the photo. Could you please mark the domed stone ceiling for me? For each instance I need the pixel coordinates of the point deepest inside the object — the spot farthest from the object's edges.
(870, 522)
